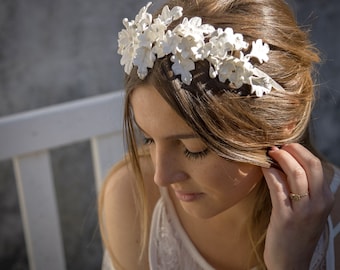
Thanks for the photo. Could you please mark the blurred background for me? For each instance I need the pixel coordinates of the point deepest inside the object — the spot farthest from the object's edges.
(60, 50)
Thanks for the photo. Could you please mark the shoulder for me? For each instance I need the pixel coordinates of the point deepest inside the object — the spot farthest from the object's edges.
(120, 214)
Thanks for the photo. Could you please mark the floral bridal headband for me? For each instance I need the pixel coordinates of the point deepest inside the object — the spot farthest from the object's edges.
(145, 39)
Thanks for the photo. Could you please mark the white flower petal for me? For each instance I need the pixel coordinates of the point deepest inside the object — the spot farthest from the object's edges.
(182, 66)
(167, 16)
(259, 50)
(260, 86)
(144, 59)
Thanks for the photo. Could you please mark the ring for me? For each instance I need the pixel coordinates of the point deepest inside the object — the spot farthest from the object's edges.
(297, 197)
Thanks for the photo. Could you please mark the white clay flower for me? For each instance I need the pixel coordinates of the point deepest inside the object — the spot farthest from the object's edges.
(259, 50)
(170, 43)
(168, 16)
(144, 59)
(143, 19)
(189, 48)
(260, 86)
(193, 28)
(128, 43)
(183, 66)
(241, 74)
(225, 42)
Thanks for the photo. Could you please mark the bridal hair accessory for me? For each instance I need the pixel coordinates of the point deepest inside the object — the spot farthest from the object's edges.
(145, 39)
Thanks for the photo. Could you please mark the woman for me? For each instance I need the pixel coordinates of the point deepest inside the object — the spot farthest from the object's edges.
(221, 92)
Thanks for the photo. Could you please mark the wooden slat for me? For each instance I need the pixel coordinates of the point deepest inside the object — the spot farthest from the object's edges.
(39, 211)
(106, 150)
(60, 124)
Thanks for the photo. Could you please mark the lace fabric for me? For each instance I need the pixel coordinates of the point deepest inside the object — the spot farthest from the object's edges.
(169, 246)
(106, 263)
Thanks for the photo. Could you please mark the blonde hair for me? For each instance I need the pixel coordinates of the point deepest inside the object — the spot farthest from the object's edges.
(237, 126)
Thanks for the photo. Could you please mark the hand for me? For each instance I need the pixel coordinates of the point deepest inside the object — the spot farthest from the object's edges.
(295, 225)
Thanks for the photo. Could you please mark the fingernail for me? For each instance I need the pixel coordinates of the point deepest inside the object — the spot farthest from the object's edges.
(273, 163)
(272, 148)
(275, 148)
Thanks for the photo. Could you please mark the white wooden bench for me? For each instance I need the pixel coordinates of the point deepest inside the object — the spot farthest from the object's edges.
(26, 139)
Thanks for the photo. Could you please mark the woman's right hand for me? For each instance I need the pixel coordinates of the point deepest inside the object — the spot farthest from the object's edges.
(296, 224)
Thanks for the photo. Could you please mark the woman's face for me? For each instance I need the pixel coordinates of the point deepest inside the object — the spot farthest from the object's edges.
(204, 183)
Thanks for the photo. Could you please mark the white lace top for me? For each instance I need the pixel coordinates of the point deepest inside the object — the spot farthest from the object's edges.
(170, 247)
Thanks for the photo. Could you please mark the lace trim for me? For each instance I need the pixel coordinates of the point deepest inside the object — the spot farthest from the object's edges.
(170, 247)
(318, 261)
(324, 257)
(333, 230)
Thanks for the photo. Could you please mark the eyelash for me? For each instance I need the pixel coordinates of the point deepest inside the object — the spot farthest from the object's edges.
(188, 154)
(147, 141)
(196, 155)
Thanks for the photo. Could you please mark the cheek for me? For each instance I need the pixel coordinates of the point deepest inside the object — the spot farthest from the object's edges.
(217, 177)
(231, 175)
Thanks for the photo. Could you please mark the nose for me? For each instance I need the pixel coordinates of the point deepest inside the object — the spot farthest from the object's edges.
(168, 167)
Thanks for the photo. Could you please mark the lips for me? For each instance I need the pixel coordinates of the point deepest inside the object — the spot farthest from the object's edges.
(188, 196)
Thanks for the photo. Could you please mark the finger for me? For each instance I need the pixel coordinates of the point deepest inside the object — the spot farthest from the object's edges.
(278, 189)
(321, 197)
(296, 175)
(312, 167)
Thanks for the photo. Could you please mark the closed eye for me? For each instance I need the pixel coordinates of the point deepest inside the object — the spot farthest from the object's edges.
(196, 155)
(147, 141)
(187, 153)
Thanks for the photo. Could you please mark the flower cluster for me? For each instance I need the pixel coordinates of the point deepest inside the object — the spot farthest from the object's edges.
(145, 39)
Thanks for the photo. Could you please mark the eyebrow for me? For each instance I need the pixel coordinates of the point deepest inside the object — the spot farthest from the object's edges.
(181, 136)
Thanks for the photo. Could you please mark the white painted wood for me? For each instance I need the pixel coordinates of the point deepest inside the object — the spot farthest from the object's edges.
(106, 150)
(60, 124)
(26, 138)
(39, 211)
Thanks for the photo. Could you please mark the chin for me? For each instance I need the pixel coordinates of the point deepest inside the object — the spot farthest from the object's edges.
(204, 212)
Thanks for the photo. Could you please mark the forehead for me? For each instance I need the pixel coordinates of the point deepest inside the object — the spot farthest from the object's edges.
(152, 113)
